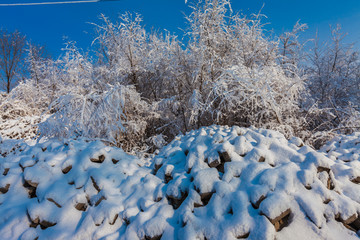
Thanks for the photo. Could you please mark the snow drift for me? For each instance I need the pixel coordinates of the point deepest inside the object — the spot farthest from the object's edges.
(213, 183)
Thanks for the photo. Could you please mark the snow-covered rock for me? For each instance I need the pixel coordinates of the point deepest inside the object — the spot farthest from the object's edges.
(212, 183)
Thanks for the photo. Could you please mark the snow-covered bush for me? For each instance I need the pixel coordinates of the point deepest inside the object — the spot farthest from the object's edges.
(333, 72)
(237, 78)
(334, 84)
(117, 116)
(156, 64)
(19, 113)
(122, 49)
(259, 97)
(325, 123)
(32, 99)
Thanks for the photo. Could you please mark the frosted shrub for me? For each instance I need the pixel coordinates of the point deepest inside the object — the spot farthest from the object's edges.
(261, 97)
(237, 75)
(24, 100)
(333, 81)
(117, 116)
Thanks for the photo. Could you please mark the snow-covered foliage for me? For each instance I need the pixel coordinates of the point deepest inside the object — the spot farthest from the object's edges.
(20, 112)
(117, 116)
(334, 83)
(212, 183)
(22, 101)
(143, 88)
(334, 72)
(291, 49)
(260, 97)
(235, 76)
(235, 68)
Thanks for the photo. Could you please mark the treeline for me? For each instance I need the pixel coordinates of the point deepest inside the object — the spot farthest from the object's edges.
(142, 89)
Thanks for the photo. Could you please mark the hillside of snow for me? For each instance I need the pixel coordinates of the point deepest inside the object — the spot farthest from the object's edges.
(212, 183)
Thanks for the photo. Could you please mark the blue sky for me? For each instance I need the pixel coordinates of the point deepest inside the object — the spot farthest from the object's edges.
(49, 24)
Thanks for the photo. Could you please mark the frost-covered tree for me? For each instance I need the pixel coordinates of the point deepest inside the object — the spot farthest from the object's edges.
(291, 48)
(333, 82)
(37, 58)
(334, 72)
(237, 78)
(122, 49)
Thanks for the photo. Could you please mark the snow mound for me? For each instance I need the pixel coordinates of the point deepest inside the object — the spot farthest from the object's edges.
(72, 190)
(213, 183)
(231, 183)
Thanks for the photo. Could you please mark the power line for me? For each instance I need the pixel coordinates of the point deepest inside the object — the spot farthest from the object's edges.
(47, 3)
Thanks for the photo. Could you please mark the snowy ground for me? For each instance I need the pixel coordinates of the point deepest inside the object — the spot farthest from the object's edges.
(24, 128)
(213, 183)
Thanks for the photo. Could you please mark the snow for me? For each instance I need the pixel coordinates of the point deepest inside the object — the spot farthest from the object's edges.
(214, 183)
(21, 128)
